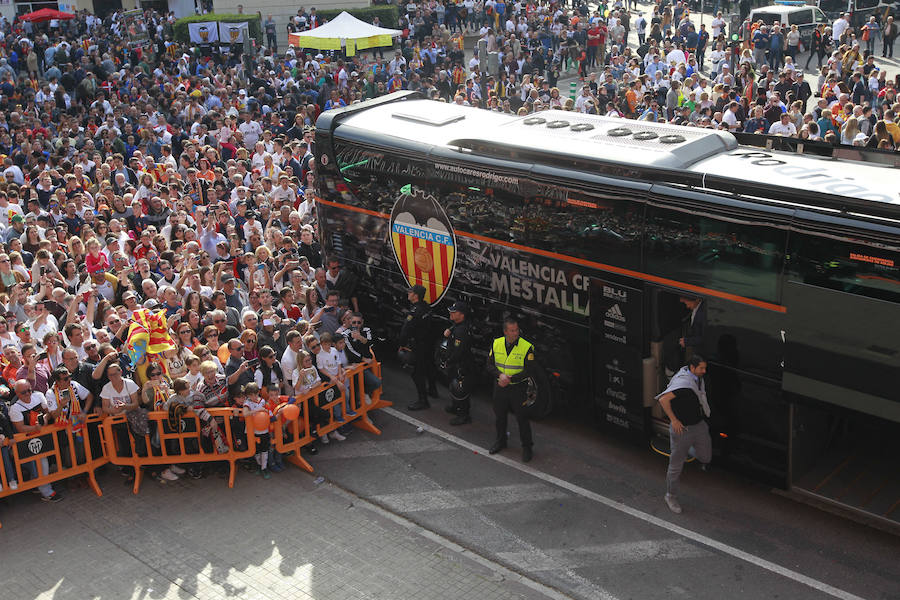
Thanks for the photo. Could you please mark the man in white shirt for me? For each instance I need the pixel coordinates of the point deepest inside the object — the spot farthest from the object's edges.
(717, 24)
(838, 29)
(7, 211)
(251, 130)
(729, 117)
(783, 127)
(289, 362)
(30, 412)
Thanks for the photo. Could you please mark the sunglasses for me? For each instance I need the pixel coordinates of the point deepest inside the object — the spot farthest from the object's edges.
(218, 321)
(66, 378)
(314, 346)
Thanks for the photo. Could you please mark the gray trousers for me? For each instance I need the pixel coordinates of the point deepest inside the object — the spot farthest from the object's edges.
(679, 445)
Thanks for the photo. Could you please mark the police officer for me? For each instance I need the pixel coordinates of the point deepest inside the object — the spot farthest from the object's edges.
(512, 361)
(460, 366)
(414, 337)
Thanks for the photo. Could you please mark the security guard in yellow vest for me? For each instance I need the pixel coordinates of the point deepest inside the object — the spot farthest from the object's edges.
(512, 362)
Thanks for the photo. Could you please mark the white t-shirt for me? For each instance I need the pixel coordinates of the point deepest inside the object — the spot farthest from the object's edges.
(7, 212)
(329, 361)
(838, 29)
(289, 363)
(780, 128)
(252, 132)
(730, 118)
(17, 410)
(119, 398)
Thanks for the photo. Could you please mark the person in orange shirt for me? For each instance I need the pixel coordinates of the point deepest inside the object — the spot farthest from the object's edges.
(12, 362)
(631, 97)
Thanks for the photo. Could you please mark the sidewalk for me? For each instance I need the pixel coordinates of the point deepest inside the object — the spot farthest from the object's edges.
(283, 538)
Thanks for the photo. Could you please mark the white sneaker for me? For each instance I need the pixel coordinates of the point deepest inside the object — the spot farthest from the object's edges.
(367, 399)
(336, 435)
(13, 485)
(168, 475)
(177, 470)
(673, 504)
(323, 439)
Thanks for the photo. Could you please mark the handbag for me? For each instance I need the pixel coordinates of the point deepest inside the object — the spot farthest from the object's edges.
(138, 422)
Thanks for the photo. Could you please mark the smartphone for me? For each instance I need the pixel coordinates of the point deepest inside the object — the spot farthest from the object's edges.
(43, 270)
(260, 267)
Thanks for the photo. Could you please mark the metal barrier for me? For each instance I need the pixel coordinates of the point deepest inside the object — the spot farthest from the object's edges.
(163, 446)
(73, 454)
(57, 453)
(292, 435)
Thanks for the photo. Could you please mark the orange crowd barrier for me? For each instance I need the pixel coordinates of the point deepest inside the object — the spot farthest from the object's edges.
(357, 377)
(57, 453)
(163, 445)
(291, 435)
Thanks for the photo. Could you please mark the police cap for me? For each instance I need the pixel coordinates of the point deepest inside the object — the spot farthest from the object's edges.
(461, 307)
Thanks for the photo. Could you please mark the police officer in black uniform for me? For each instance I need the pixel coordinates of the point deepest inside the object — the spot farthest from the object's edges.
(512, 362)
(414, 337)
(460, 365)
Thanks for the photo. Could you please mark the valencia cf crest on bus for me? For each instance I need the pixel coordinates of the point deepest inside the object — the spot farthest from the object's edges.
(424, 243)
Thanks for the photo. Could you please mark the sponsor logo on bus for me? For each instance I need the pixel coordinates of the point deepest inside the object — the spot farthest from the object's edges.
(615, 294)
(424, 243)
(615, 313)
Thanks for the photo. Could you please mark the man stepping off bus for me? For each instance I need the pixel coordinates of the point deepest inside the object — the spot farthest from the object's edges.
(684, 402)
(512, 362)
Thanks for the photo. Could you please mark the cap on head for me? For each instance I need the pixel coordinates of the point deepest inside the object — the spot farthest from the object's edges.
(460, 307)
(419, 291)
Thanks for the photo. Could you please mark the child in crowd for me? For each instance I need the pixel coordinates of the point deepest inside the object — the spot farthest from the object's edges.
(95, 261)
(193, 376)
(273, 399)
(253, 403)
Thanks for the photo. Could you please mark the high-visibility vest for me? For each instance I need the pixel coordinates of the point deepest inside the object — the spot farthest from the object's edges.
(514, 362)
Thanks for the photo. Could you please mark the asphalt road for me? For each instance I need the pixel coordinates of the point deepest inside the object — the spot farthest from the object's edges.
(421, 512)
(587, 516)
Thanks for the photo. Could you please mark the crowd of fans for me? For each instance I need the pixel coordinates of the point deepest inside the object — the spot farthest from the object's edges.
(180, 179)
(147, 178)
(642, 63)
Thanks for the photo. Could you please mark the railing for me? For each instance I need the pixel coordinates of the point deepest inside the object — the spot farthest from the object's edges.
(57, 453)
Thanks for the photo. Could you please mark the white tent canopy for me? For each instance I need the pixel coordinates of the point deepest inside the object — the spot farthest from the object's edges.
(344, 31)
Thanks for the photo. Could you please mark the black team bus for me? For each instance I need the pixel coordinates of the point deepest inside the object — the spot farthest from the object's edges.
(625, 246)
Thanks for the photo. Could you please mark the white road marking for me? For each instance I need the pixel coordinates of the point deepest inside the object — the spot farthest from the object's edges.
(589, 589)
(335, 450)
(609, 554)
(633, 512)
(445, 499)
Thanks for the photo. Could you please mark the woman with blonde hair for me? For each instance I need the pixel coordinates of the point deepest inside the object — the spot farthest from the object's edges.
(555, 100)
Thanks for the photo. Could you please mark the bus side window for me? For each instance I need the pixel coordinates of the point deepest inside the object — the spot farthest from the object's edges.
(851, 267)
(742, 258)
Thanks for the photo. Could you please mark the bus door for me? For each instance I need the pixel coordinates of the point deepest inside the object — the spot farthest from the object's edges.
(670, 319)
(617, 353)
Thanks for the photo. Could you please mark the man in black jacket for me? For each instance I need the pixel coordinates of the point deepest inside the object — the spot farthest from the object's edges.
(414, 338)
